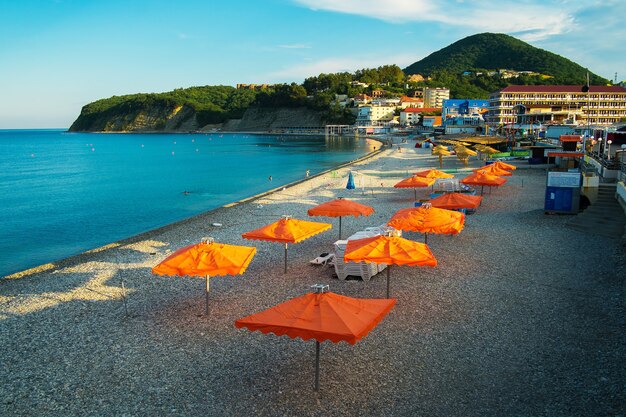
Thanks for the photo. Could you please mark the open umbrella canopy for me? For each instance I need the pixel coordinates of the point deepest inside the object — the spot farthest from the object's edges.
(320, 316)
(453, 201)
(489, 150)
(463, 150)
(390, 250)
(415, 182)
(433, 173)
(492, 169)
(441, 150)
(425, 219)
(340, 207)
(287, 230)
(505, 166)
(481, 178)
(206, 259)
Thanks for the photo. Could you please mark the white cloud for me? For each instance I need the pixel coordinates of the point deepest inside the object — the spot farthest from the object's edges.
(533, 20)
(300, 71)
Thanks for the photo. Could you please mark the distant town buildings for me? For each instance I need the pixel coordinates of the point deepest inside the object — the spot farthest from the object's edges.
(602, 105)
(257, 87)
(369, 115)
(464, 116)
(411, 116)
(463, 107)
(434, 97)
(411, 102)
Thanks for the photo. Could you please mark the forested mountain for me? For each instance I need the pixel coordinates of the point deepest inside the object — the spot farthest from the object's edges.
(493, 51)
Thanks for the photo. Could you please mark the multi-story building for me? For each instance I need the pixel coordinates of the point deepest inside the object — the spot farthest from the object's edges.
(411, 102)
(411, 115)
(462, 107)
(374, 115)
(601, 105)
(434, 97)
(464, 116)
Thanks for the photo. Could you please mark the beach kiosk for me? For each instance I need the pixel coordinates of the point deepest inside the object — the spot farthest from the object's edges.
(562, 192)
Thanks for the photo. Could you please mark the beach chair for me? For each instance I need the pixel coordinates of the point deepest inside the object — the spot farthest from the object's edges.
(323, 259)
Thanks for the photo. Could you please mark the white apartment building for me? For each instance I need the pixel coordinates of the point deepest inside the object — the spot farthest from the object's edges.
(434, 97)
(602, 105)
(374, 115)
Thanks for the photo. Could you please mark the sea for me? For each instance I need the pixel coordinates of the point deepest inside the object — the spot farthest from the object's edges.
(65, 193)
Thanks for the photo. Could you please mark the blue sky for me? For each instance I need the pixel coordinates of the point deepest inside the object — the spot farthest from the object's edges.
(58, 55)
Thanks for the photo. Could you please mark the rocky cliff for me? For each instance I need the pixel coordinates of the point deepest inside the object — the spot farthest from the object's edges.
(159, 116)
(260, 119)
(167, 117)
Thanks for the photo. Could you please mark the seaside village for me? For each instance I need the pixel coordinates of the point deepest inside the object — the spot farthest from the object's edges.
(476, 245)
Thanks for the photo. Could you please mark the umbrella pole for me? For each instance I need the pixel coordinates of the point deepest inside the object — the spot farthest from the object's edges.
(124, 296)
(339, 227)
(286, 258)
(317, 365)
(482, 188)
(415, 194)
(388, 274)
(206, 303)
(425, 238)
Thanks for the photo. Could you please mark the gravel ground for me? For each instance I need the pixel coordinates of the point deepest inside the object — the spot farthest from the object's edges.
(522, 317)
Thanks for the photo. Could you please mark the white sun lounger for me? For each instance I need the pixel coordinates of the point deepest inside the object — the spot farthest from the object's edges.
(323, 259)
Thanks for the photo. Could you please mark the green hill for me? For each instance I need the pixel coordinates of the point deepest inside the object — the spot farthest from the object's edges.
(493, 51)
(174, 110)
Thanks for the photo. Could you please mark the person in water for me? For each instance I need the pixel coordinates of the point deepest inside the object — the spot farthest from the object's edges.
(185, 192)
(269, 178)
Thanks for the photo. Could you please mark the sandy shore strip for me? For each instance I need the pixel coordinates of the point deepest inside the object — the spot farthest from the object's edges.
(522, 316)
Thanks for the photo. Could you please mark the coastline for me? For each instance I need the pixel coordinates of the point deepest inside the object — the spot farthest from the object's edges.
(86, 255)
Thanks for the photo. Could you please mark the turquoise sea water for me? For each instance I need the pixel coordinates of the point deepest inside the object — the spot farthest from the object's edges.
(64, 193)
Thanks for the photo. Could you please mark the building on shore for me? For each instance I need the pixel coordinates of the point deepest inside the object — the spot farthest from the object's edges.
(464, 116)
(412, 115)
(370, 115)
(434, 97)
(601, 105)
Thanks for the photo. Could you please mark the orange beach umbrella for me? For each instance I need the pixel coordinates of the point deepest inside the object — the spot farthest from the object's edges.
(205, 259)
(340, 207)
(390, 250)
(453, 201)
(505, 166)
(433, 173)
(482, 179)
(415, 182)
(427, 219)
(320, 316)
(492, 169)
(287, 230)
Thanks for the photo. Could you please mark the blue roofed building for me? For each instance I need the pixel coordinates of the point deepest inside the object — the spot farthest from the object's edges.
(464, 115)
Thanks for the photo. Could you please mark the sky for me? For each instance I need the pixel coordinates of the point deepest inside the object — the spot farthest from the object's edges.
(58, 55)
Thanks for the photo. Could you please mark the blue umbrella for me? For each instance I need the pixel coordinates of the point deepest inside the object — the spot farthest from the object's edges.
(350, 185)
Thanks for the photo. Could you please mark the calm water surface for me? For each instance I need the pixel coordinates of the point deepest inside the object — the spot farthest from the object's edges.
(64, 193)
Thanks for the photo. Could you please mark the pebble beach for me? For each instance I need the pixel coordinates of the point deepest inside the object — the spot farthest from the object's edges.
(521, 316)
